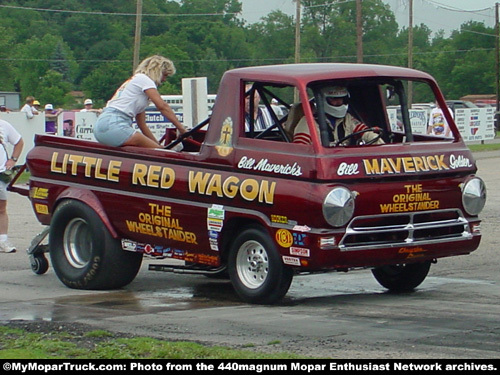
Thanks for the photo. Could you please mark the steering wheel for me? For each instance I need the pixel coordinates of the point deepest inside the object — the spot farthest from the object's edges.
(380, 132)
(186, 135)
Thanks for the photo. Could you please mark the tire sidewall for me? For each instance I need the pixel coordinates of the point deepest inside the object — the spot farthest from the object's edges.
(278, 279)
(86, 277)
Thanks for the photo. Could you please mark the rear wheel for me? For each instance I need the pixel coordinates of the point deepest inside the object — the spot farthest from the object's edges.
(402, 277)
(83, 252)
(255, 268)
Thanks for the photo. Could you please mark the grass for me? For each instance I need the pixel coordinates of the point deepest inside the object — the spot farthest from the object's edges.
(16, 343)
(485, 147)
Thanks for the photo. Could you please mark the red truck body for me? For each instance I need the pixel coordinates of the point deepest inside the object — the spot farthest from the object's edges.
(255, 204)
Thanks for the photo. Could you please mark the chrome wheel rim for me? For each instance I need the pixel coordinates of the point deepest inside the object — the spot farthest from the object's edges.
(77, 243)
(252, 264)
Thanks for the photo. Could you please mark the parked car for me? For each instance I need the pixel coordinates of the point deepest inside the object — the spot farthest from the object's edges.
(455, 104)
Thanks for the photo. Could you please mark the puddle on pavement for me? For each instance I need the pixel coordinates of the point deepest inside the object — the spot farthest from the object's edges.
(103, 304)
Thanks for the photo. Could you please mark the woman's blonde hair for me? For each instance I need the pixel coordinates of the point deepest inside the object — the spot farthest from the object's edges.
(154, 67)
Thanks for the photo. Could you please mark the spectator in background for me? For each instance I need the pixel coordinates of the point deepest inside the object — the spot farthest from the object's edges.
(4, 109)
(261, 117)
(36, 105)
(89, 107)
(51, 118)
(276, 108)
(437, 122)
(7, 135)
(28, 108)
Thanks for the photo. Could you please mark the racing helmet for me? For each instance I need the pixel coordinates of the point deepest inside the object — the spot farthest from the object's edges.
(336, 92)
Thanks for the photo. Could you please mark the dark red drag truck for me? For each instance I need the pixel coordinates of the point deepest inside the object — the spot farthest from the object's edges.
(255, 205)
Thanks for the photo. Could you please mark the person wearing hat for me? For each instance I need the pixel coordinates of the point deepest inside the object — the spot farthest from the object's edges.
(51, 118)
(339, 121)
(36, 105)
(29, 108)
(89, 106)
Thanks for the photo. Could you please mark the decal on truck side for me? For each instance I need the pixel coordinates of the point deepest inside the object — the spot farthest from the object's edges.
(413, 199)
(161, 177)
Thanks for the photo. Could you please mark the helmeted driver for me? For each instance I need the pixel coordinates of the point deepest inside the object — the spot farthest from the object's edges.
(339, 121)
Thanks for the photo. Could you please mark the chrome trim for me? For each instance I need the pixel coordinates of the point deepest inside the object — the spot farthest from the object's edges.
(407, 229)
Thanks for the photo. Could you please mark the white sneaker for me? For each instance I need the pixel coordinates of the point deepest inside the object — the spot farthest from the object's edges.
(7, 247)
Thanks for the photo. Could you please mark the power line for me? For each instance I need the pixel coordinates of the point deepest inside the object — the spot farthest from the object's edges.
(455, 9)
(260, 59)
(116, 14)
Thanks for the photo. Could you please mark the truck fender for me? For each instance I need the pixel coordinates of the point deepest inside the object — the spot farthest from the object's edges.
(89, 198)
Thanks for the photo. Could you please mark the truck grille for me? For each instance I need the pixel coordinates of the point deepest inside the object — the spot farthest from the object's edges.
(415, 228)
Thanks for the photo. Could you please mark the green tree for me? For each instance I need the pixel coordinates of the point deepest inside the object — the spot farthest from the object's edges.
(53, 89)
(272, 39)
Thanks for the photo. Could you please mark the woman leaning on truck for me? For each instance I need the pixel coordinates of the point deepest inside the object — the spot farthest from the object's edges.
(114, 125)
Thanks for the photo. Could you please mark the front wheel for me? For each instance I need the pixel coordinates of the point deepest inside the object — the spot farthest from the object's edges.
(83, 252)
(255, 268)
(402, 277)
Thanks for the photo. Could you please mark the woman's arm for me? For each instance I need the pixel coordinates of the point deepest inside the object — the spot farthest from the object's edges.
(141, 122)
(165, 109)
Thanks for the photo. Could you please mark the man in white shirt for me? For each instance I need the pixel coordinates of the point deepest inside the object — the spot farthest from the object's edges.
(7, 135)
(28, 108)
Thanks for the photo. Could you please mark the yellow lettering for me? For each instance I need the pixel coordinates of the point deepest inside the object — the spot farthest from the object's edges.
(198, 182)
(396, 165)
(167, 178)
(154, 176)
(371, 168)
(89, 163)
(98, 174)
(408, 164)
(249, 189)
(230, 187)
(215, 186)
(139, 174)
(53, 163)
(114, 170)
(266, 193)
(74, 160)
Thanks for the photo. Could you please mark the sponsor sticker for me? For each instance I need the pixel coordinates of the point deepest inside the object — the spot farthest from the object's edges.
(291, 261)
(284, 238)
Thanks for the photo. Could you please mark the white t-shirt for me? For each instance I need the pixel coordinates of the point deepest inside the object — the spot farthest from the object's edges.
(130, 98)
(438, 124)
(29, 110)
(7, 135)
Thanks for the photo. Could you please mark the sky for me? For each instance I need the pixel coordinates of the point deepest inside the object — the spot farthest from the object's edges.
(447, 15)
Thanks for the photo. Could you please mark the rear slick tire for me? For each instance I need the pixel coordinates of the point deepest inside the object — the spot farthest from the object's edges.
(255, 268)
(83, 253)
(402, 278)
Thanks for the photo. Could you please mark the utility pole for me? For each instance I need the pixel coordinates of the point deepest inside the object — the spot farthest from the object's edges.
(297, 32)
(497, 65)
(359, 31)
(297, 44)
(138, 28)
(410, 51)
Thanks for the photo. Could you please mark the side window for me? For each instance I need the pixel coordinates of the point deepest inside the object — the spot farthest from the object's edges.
(266, 108)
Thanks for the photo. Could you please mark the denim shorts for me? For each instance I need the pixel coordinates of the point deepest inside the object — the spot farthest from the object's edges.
(113, 127)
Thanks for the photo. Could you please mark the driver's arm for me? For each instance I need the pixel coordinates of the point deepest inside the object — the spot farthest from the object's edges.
(355, 126)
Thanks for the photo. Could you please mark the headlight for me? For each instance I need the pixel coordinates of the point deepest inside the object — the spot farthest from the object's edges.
(338, 206)
(474, 196)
